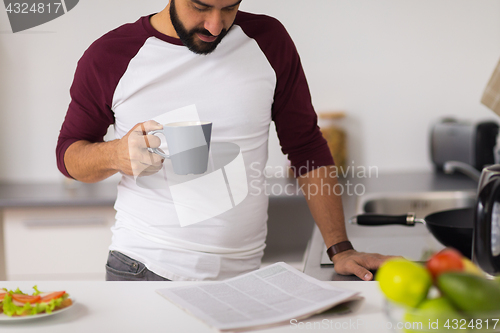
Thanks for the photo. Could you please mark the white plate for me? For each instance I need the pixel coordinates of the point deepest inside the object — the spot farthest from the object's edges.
(4, 317)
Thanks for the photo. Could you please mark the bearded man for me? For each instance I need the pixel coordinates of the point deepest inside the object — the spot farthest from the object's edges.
(241, 71)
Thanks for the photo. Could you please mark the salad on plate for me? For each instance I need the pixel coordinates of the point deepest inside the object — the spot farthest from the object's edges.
(15, 303)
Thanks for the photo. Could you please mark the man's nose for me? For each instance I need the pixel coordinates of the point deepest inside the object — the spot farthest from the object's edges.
(213, 22)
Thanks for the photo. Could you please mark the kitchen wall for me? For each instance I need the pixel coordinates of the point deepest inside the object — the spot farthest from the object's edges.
(393, 66)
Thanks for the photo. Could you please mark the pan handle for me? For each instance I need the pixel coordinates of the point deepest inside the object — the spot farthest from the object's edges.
(379, 219)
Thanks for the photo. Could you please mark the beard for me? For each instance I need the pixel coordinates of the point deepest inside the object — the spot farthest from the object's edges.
(189, 38)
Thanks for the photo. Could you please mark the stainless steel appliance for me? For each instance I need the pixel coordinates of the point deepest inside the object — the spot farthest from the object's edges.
(462, 141)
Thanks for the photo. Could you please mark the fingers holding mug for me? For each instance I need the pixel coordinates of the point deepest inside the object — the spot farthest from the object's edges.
(151, 140)
(142, 161)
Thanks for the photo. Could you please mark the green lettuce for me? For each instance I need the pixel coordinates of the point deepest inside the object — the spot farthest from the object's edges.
(37, 292)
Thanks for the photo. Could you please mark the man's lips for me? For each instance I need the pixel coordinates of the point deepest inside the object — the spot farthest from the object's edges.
(205, 38)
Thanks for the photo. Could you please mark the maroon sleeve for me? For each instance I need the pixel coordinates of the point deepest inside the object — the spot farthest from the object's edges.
(292, 112)
(98, 72)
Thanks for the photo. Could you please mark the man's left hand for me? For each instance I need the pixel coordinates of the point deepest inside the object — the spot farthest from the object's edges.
(358, 263)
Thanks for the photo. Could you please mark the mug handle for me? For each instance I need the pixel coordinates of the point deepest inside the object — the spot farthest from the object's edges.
(156, 150)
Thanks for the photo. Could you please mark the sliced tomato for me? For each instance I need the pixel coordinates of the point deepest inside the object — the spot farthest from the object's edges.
(51, 296)
(2, 296)
(25, 298)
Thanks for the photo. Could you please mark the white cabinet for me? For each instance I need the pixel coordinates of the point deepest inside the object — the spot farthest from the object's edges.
(57, 243)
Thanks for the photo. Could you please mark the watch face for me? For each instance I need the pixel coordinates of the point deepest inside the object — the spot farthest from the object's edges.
(495, 230)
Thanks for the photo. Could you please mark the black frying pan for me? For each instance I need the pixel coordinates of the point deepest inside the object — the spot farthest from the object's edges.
(451, 228)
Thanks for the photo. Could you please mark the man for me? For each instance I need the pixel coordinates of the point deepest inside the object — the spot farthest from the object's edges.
(241, 71)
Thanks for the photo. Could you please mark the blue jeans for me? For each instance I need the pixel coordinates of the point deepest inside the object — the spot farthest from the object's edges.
(122, 268)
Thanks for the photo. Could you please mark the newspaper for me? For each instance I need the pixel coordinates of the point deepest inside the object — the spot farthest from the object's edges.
(267, 297)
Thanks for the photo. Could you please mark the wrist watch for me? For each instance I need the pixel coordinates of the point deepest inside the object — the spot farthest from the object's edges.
(338, 248)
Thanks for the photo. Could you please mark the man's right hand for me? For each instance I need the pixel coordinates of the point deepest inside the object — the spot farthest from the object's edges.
(91, 162)
(132, 155)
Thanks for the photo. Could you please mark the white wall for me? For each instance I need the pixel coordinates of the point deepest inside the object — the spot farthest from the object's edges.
(394, 67)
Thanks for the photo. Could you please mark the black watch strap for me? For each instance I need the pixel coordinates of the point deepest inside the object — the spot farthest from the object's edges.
(339, 247)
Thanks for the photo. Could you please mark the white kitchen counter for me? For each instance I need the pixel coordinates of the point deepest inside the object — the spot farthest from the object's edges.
(136, 307)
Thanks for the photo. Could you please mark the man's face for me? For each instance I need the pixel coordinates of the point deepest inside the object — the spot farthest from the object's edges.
(201, 24)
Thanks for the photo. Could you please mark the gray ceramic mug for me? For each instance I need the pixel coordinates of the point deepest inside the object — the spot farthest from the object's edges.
(188, 145)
